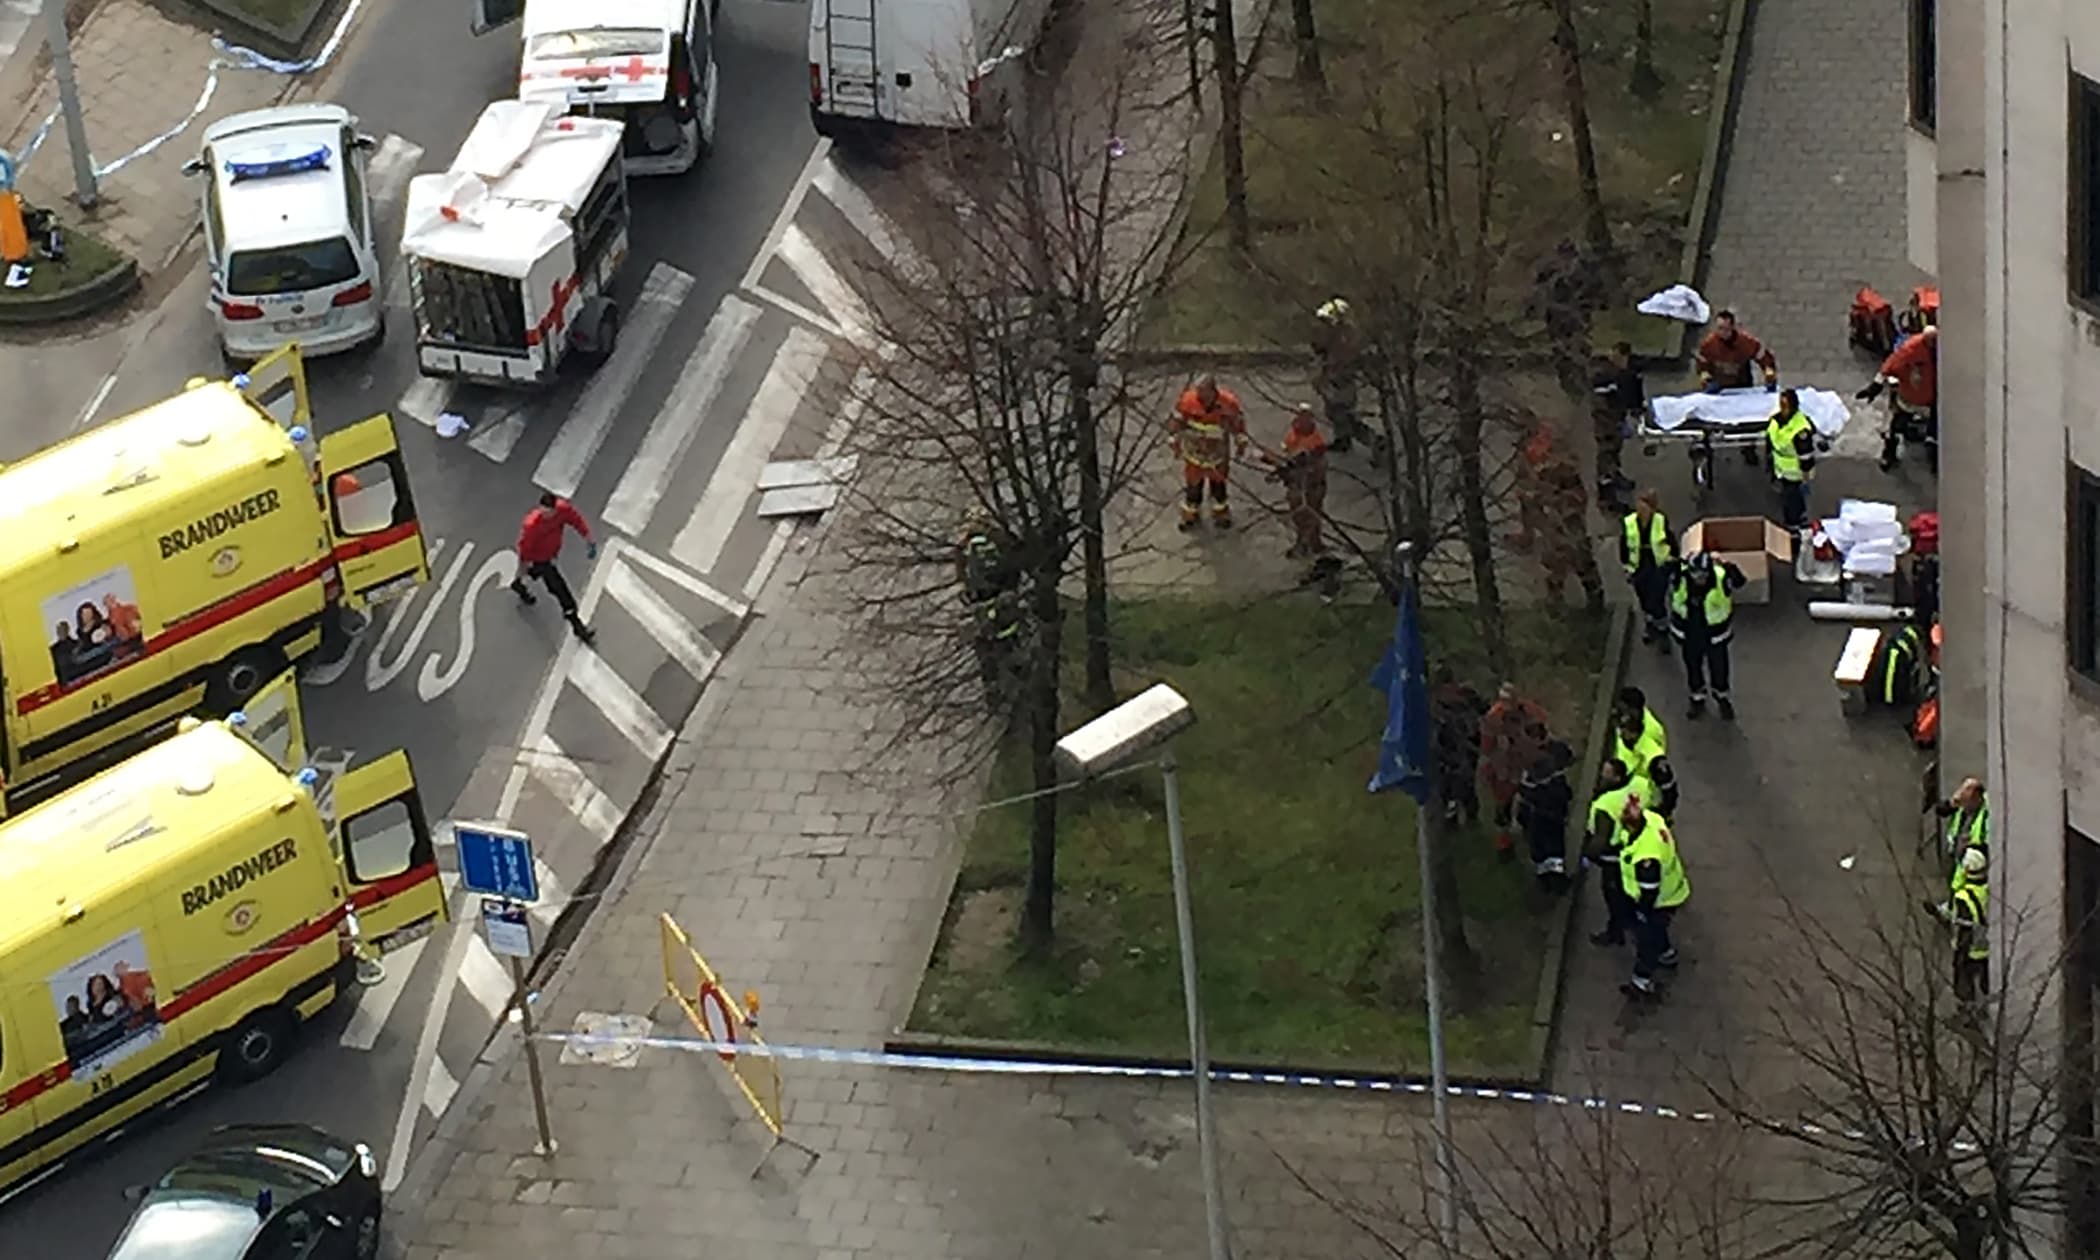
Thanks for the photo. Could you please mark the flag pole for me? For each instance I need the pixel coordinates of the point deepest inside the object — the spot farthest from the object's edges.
(1433, 985)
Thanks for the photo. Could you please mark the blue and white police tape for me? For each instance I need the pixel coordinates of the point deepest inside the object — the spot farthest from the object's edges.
(231, 56)
(1051, 1067)
(1048, 1067)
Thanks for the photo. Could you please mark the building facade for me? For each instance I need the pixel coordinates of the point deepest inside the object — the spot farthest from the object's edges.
(2003, 164)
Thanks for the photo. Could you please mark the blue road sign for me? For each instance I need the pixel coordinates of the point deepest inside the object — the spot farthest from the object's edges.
(495, 862)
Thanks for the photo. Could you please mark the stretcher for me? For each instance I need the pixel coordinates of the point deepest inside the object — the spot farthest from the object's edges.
(1706, 422)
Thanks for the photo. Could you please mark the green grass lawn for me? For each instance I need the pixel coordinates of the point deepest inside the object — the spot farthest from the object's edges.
(86, 258)
(1304, 884)
(1649, 153)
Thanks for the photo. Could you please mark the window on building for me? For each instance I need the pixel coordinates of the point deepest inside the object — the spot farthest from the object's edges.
(2082, 1038)
(1924, 64)
(2085, 188)
(2082, 594)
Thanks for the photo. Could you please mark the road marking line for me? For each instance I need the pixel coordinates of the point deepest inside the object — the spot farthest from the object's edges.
(426, 1059)
(376, 1003)
(787, 212)
(488, 980)
(580, 436)
(690, 581)
(769, 559)
(437, 1096)
(87, 413)
(860, 211)
(825, 283)
(699, 545)
(564, 778)
(650, 472)
(498, 440)
(680, 637)
(424, 400)
(799, 311)
(621, 704)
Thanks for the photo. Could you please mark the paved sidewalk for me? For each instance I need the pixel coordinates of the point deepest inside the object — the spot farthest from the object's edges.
(1813, 207)
(140, 73)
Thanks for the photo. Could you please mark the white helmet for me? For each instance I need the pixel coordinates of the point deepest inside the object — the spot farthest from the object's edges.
(1333, 310)
(1975, 862)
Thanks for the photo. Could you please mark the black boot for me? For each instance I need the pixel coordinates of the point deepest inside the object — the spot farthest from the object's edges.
(525, 597)
(1726, 707)
(583, 632)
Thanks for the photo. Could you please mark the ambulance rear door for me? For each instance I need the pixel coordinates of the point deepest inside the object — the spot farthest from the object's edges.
(272, 722)
(277, 384)
(371, 514)
(388, 852)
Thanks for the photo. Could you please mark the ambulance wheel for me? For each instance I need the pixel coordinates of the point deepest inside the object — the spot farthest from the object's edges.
(364, 1235)
(240, 676)
(256, 1045)
(608, 336)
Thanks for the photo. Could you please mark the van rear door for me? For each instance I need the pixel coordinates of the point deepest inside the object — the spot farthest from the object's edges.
(486, 15)
(272, 722)
(277, 384)
(388, 853)
(371, 514)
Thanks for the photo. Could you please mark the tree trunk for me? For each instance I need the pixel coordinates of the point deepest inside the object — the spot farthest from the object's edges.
(1473, 513)
(1093, 544)
(1310, 71)
(1596, 227)
(1037, 914)
(1225, 55)
(1644, 82)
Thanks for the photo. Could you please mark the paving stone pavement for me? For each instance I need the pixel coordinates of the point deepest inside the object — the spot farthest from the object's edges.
(820, 881)
(1813, 206)
(140, 72)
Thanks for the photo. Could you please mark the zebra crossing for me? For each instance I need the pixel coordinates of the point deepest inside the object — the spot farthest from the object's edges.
(762, 381)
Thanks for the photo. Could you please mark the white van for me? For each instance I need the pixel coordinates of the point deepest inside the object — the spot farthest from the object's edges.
(288, 232)
(917, 63)
(648, 63)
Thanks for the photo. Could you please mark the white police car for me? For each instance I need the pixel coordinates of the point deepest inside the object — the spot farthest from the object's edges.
(288, 231)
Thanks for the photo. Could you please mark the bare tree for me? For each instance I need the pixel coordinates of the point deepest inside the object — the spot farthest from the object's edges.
(1575, 96)
(1643, 81)
(1306, 32)
(988, 403)
(1934, 1124)
(1232, 134)
(1574, 1182)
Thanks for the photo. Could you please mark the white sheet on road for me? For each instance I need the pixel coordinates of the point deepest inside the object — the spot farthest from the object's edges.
(1745, 408)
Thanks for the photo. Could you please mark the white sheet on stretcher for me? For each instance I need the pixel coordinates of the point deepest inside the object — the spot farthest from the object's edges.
(1747, 408)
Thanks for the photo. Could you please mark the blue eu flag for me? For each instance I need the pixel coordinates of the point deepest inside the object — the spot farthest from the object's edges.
(1404, 748)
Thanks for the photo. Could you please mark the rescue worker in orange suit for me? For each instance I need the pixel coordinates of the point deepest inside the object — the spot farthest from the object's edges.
(1554, 508)
(1914, 369)
(1512, 736)
(1302, 468)
(1207, 430)
(1727, 353)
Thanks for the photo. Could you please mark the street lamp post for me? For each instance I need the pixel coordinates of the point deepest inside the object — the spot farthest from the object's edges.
(1125, 732)
(85, 193)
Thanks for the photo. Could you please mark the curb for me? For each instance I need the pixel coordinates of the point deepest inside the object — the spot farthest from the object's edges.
(1553, 969)
(90, 297)
(1705, 215)
(938, 1046)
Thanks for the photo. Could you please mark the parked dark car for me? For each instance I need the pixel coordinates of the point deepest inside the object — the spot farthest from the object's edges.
(261, 1192)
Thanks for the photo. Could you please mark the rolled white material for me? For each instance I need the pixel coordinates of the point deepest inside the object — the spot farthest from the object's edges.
(1838, 610)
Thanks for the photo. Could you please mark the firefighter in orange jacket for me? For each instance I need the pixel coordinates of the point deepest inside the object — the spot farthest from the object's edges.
(1207, 430)
(1914, 369)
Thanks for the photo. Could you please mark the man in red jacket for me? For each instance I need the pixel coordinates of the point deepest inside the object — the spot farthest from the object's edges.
(539, 542)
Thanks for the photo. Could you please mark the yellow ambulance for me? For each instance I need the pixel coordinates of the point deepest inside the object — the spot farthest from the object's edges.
(179, 916)
(184, 555)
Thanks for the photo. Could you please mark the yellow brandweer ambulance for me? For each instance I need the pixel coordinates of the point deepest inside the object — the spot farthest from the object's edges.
(184, 555)
(180, 915)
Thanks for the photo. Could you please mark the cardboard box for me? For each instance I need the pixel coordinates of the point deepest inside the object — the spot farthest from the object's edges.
(1750, 543)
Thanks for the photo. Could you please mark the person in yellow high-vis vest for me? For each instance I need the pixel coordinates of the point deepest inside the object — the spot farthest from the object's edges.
(1702, 617)
(1645, 551)
(1652, 873)
(1791, 440)
(1601, 846)
(1967, 911)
